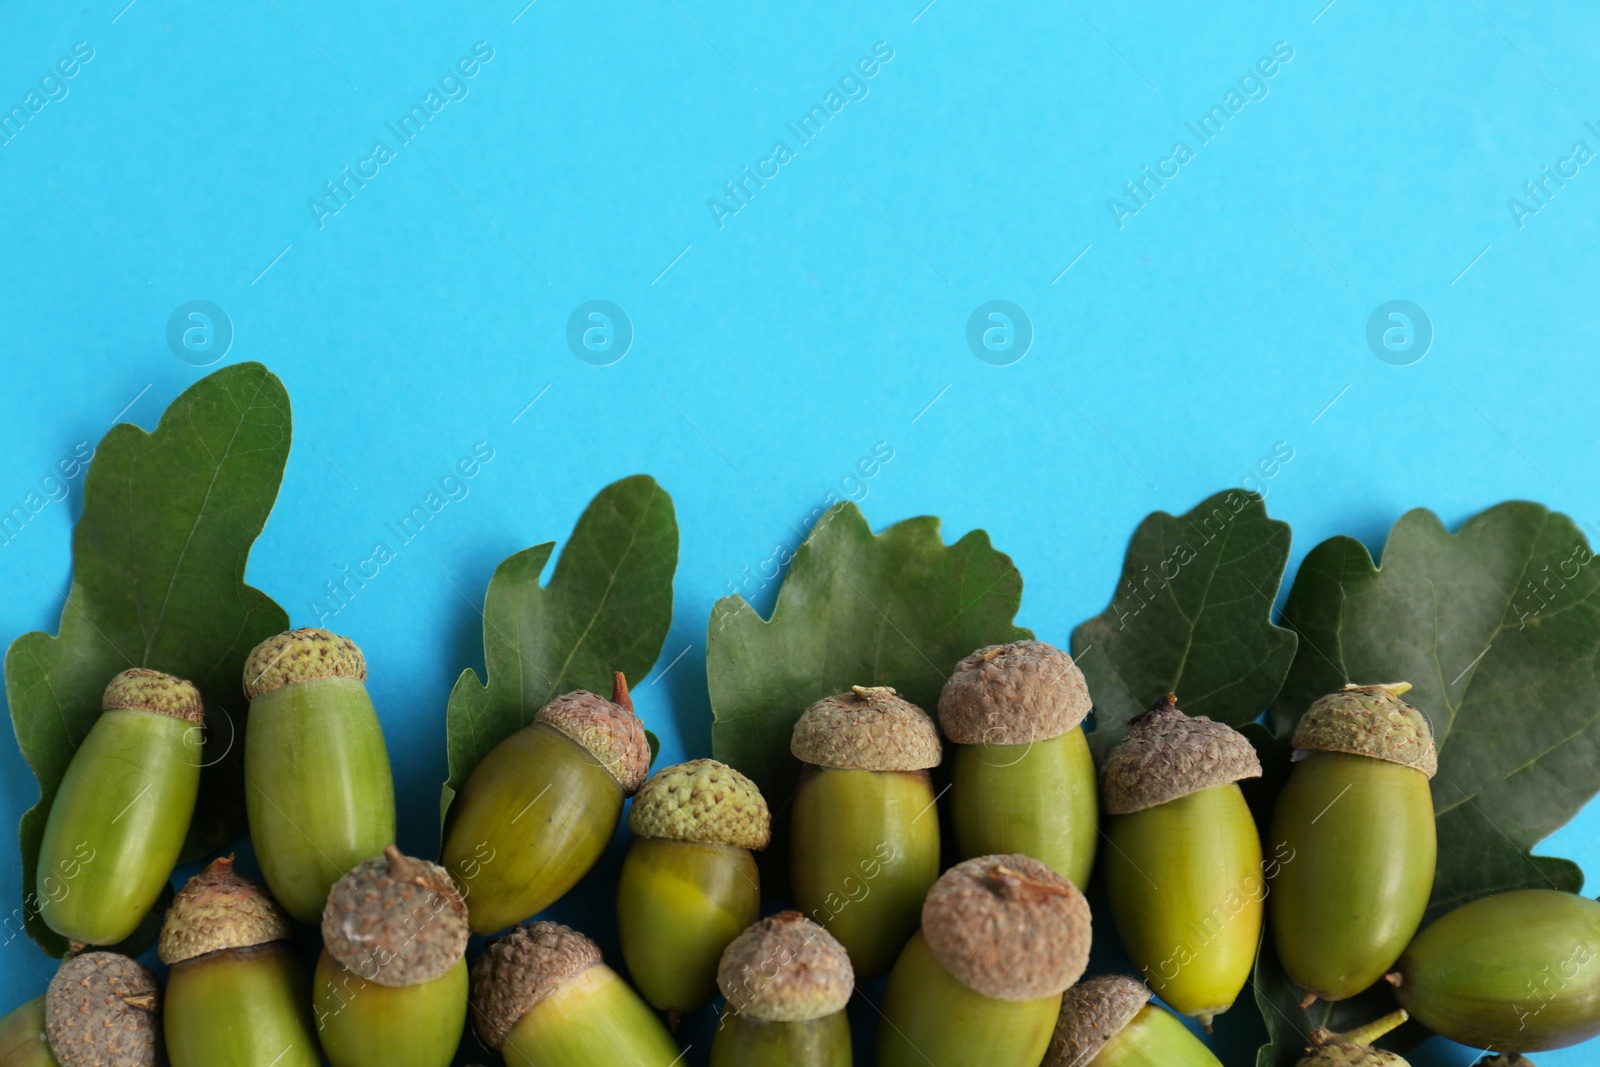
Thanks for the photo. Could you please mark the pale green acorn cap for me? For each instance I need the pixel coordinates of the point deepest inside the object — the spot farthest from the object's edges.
(520, 970)
(1013, 694)
(705, 802)
(103, 1010)
(1372, 721)
(218, 910)
(141, 689)
(609, 729)
(1168, 755)
(785, 969)
(301, 656)
(868, 728)
(1092, 1013)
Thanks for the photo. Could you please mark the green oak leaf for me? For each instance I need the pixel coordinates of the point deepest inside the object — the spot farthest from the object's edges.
(158, 562)
(607, 608)
(1192, 615)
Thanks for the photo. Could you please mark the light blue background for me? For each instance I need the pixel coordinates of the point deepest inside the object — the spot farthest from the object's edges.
(829, 314)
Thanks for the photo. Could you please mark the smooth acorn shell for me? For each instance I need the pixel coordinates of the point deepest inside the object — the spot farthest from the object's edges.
(363, 1024)
(1039, 799)
(22, 1040)
(530, 821)
(318, 788)
(594, 1018)
(1354, 847)
(1153, 1038)
(679, 904)
(745, 1042)
(1186, 890)
(245, 1007)
(930, 1018)
(864, 851)
(117, 824)
(1518, 971)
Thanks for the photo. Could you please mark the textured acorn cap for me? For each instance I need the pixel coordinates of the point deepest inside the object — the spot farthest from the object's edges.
(1008, 927)
(1092, 1013)
(1168, 755)
(301, 656)
(1505, 1060)
(1372, 721)
(1013, 694)
(102, 1010)
(521, 969)
(219, 910)
(609, 729)
(1345, 1055)
(396, 921)
(868, 728)
(702, 801)
(140, 689)
(786, 969)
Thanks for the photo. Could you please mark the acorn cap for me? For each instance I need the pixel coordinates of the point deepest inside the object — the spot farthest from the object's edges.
(609, 729)
(141, 689)
(1008, 927)
(103, 1010)
(1345, 1055)
(521, 969)
(702, 801)
(396, 921)
(866, 729)
(1092, 1013)
(1372, 721)
(1013, 694)
(301, 656)
(1505, 1059)
(1168, 755)
(786, 969)
(219, 910)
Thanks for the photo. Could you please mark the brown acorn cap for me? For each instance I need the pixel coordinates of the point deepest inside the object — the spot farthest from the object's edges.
(609, 729)
(1168, 755)
(219, 910)
(103, 1010)
(1372, 721)
(396, 921)
(1505, 1059)
(1013, 694)
(1008, 927)
(702, 801)
(301, 656)
(1092, 1013)
(521, 969)
(866, 729)
(786, 969)
(140, 689)
(1354, 1049)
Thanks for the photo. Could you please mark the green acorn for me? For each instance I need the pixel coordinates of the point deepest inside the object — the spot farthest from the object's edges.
(1184, 869)
(119, 819)
(1110, 1022)
(1354, 1049)
(1022, 778)
(103, 1010)
(689, 885)
(1356, 819)
(391, 984)
(22, 1039)
(1002, 937)
(236, 994)
(536, 814)
(318, 788)
(865, 843)
(542, 997)
(787, 981)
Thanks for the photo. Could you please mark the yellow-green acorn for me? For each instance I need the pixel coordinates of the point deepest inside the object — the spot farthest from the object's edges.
(1354, 1048)
(787, 981)
(537, 813)
(1110, 1022)
(22, 1039)
(1184, 868)
(1354, 838)
(1022, 779)
(1002, 937)
(316, 773)
(103, 1010)
(689, 885)
(118, 821)
(542, 997)
(865, 835)
(391, 984)
(236, 994)
(1518, 971)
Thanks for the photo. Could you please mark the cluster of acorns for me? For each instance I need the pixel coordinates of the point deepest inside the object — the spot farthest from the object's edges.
(984, 960)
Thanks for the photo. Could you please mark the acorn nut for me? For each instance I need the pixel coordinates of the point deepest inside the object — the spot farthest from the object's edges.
(1109, 1022)
(1354, 1049)
(864, 846)
(1022, 778)
(537, 813)
(981, 982)
(689, 885)
(103, 1010)
(787, 981)
(318, 788)
(22, 1039)
(119, 819)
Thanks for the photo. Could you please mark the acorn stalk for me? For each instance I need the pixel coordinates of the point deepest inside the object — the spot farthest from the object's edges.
(22, 1038)
(787, 981)
(1110, 1022)
(318, 788)
(1022, 778)
(103, 1010)
(1354, 1048)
